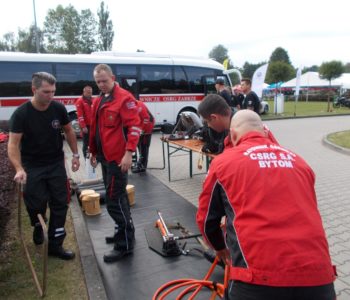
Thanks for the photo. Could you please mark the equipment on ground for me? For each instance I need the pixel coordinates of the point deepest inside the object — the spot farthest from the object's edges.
(187, 125)
(164, 242)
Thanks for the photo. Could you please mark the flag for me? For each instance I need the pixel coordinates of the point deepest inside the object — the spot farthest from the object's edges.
(225, 63)
(258, 79)
(297, 83)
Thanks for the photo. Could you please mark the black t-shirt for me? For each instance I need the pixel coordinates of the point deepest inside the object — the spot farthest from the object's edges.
(252, 100)
(238, 100)
(227, 96)
(42, 141)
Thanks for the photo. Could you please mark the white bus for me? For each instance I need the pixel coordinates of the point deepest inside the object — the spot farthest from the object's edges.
(168, 85)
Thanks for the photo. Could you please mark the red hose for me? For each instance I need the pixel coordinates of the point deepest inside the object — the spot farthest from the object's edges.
(195, 285)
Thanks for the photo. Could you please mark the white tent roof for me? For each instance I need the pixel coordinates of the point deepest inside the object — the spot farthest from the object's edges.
(312, 79)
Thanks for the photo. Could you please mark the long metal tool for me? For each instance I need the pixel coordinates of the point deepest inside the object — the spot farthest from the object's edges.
(41, 289)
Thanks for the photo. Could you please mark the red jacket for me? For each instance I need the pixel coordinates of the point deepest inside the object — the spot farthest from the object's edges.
(118, 123)
(274, 230)
(147, 119)
(83, 106)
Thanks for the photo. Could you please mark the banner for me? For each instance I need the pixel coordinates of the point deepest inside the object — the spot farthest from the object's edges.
(297, 83)
(258, 80)
(225, 63)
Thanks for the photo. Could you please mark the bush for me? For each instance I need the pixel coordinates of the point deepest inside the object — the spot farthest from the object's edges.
(7, 188)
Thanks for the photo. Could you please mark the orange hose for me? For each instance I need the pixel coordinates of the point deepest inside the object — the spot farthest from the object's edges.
(193, 284)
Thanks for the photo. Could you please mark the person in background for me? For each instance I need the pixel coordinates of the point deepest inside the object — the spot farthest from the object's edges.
(114, 134)
(217, 114)
(251, 100)
(237, 97)
(274, 243)
(83, 105)
(35, 149)
(147, 121)
(222, 91)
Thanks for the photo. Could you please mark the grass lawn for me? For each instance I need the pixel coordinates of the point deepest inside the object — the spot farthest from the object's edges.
(341, 138)
(65, 279)
(302, 108)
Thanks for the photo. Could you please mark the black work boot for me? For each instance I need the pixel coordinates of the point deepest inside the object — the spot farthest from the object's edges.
(115, 255)
(38, 235)
(111, 239)
(60, 252)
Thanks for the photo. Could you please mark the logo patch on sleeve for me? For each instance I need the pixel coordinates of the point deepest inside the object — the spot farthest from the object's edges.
(131, 104)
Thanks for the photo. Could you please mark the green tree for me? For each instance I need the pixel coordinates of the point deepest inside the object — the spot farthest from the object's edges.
(27, 40)
(280, 67)
(347, 68)
(313, 68)
(249, 69)
(7, 43)
(279, 54)
(105, 28)
(279, 71)
(62, 29)
(329, 71)
(219, 53)
(88, 32)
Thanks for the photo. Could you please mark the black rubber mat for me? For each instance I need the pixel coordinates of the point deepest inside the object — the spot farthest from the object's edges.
(139, 275)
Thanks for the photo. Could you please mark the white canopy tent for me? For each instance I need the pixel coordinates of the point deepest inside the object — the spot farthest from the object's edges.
(312, 79)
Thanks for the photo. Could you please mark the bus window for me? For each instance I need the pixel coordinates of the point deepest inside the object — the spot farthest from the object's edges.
(129, 84)
(16, 77)
(195, 76)
(210, 84)
(180, 80)
(156, 80)
(71, 78)
(126, 70)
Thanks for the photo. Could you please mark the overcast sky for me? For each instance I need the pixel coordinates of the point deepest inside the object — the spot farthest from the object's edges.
(311, 31)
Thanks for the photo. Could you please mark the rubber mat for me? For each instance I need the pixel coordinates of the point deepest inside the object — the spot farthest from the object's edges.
(140, 274)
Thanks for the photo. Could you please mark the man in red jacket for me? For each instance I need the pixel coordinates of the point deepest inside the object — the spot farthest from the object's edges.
(83, 105)
(147, 121)
(275, 244)
(114, 134)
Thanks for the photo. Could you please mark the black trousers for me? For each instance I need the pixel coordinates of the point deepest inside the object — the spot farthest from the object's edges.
(86, 141)
(118, 205)
(48, 185)
(143, 148)
(243, 291)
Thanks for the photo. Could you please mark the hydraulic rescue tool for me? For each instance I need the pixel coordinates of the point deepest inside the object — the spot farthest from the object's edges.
(170, 245)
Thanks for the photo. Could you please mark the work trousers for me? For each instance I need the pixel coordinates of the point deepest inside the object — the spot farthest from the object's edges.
(143, 148)
(244, 291)
(85, 138)
(48, 185)
(118, 205)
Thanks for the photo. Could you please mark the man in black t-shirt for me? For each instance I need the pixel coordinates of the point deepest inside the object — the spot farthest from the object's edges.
(223, 92)
(251, 100)
(35, 150)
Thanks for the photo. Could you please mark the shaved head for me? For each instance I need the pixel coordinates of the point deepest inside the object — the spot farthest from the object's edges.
(245, 121)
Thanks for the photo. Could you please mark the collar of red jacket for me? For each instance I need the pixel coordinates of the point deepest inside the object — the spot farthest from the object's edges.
(111, 94)
(250, 135)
